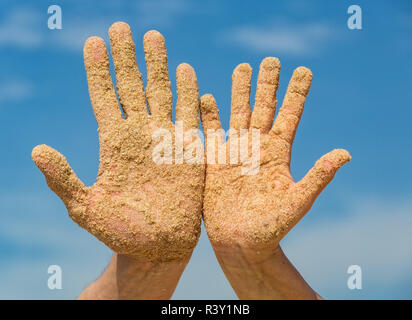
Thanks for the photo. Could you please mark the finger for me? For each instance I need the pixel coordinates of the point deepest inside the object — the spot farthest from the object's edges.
(128, 78)
(212, 127)
(158, 92)
(209, 113)
(290, 113)
(265, 99)
(59, 176)
(240, 110)
(187, 106)
(101, 90)
(312, 184)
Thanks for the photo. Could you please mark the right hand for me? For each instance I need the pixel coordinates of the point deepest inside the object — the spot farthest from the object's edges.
(136, 207)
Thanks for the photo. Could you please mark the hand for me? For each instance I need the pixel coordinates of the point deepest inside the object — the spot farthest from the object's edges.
(252, 213)
(136, 207)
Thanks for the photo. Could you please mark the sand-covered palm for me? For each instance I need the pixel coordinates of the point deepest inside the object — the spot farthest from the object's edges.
(136, 207)
(256, 211)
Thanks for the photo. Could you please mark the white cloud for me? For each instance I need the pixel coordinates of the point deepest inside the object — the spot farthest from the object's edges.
(75, 33)
(26, 27)
(21, 28)
(36, 232)
(375, 235)
(15, 90)
(286, 38)
(160, 11)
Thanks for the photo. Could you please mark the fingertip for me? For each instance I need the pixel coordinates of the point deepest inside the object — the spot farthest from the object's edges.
(59, 176)
(335, 159)
(302, 74)
(94, 50)
(48, 160)
(153, 34)
(342, 155)
(270, 63)
(186, 72)
(207, 102)
(43, 154)
(301, 81)
(243, 68)
(94, 42)
(209, 113)
(37, 152)
(153, 37)
(119, 27)
(185, 67)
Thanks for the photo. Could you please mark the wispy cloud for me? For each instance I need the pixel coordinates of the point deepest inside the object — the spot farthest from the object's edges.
(26, 27)
(15, 90)
(36, 232)
(286, 38)
(21, 28)
(375, 235)
(161, 11)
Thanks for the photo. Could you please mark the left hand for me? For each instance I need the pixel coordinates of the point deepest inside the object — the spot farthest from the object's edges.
(252, 213)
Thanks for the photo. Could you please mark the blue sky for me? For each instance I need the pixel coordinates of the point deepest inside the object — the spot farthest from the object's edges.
(360, 100)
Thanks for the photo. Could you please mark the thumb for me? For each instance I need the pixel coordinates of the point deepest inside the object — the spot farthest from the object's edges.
(59, 176)
(312, 184)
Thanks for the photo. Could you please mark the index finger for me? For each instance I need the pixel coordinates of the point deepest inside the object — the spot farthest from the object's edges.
(291, 111)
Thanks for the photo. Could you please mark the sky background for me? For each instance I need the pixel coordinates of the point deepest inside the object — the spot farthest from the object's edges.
(360, 100)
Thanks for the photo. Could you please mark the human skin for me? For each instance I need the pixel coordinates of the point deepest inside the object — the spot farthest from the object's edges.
(246, 216)
(148, 214)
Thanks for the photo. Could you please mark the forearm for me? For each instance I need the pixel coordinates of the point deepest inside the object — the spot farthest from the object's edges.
(127, 278)
(263, 275)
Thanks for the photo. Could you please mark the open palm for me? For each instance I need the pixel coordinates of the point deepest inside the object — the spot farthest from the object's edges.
(256, 211)
(136, 206)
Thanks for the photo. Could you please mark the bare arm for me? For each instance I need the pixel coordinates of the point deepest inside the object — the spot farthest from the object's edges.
(149, 214)
(128, 279)
(266, 276)
(247, 214)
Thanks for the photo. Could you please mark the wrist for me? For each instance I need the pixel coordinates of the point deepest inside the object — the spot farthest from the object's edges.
(262, 273)
(234, 253)
(129, 278)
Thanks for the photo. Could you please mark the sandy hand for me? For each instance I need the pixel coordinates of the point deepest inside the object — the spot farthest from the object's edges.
(136, 207)
(256, 211)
